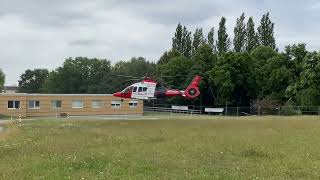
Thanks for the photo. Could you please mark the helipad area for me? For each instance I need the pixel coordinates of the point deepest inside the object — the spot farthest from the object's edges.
(32, 105)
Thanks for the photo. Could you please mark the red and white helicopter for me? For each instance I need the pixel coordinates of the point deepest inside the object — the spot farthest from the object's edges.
(150, 89)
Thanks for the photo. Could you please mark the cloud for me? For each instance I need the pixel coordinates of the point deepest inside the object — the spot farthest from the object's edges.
(42, 33)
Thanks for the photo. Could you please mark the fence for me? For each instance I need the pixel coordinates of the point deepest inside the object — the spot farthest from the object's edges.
(171, 110)
(237, 111)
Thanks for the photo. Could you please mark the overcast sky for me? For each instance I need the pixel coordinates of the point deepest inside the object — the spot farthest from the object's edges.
(42, 33)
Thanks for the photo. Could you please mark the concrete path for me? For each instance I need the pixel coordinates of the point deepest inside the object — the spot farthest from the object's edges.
(9, 121)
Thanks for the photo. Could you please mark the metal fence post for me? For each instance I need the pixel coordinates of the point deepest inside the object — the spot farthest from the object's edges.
(226, 108)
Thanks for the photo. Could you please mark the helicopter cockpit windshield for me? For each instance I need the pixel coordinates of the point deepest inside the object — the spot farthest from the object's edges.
(127, 89)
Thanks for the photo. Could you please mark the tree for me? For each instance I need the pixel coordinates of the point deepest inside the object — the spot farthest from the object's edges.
(251, 36)
(233, 79)
(306, 91)
(187, 43)
(165, 58)
(2, 80)
(239, 34)
(177, 40)
(32, 81)
(136, 67)
(223, 42)
(79, 75)
(260, 57)
(176, 66)
(210, 40)
(277, 76)
(266, 31)
(198, 40)
(181, 41)
(296, 53)
(203, 61)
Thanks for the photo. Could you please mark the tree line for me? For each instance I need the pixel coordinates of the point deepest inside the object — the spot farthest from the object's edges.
(250, 67)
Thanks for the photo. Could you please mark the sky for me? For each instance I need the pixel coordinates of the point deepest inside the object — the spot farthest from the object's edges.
(43, 33)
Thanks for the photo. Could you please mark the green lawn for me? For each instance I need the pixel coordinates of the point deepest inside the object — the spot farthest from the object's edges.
(171, 148)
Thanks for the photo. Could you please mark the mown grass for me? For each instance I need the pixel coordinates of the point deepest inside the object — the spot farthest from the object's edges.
(172, 148)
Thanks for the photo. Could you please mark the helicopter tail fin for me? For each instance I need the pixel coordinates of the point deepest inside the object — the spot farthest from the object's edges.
(192, 90)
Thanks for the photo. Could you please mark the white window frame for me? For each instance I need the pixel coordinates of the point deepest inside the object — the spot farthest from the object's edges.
(54, 104)
(14, 104)
(33, 102)
(94, 106)
(77, 107)
(115, 104)
(134, 104)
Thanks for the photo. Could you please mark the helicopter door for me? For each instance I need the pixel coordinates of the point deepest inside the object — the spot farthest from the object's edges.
(143, 90)
(139, 91)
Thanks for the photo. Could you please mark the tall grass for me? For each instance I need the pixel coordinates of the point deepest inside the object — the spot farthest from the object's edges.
(172, 148)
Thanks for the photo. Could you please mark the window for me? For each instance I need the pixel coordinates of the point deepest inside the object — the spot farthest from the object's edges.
(115, 104)
(134, 89)
(56, 104)
(13, 104)
(97, 104)
(133, 104)
(144, 89)
(77, 104)
(34, 104)
(140, 89)
(127, 89)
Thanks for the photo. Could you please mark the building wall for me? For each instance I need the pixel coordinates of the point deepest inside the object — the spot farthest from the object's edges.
(46, 108)
(4, 98)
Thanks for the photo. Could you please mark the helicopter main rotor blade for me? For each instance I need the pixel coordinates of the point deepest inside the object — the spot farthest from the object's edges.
(126, 76)
(175, 76)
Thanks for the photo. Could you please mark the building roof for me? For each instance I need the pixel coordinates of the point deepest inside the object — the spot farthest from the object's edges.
(10, 88)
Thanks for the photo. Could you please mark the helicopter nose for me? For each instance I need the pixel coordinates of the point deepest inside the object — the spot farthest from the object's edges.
(117, 94)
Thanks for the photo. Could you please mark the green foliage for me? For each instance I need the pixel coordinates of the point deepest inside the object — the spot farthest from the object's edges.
(296, 53)
(276, 77)
(223, 42)
(78, 75)
(32, 81)
(251, 36)
(182, 41)
(309, 97)
(266, 32)
(264, 65)
(305, 91)
(210, 40)
(137, 67)
(165, 58)
(232, 78)
(290, 110)
(239, 34)
(2, 79)
(198, 40)
(176, 66)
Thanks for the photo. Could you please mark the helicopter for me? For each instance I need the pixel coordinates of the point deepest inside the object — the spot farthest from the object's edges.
(150, 89)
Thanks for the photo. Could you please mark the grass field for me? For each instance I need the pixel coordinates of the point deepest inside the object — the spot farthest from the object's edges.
(169, 148)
